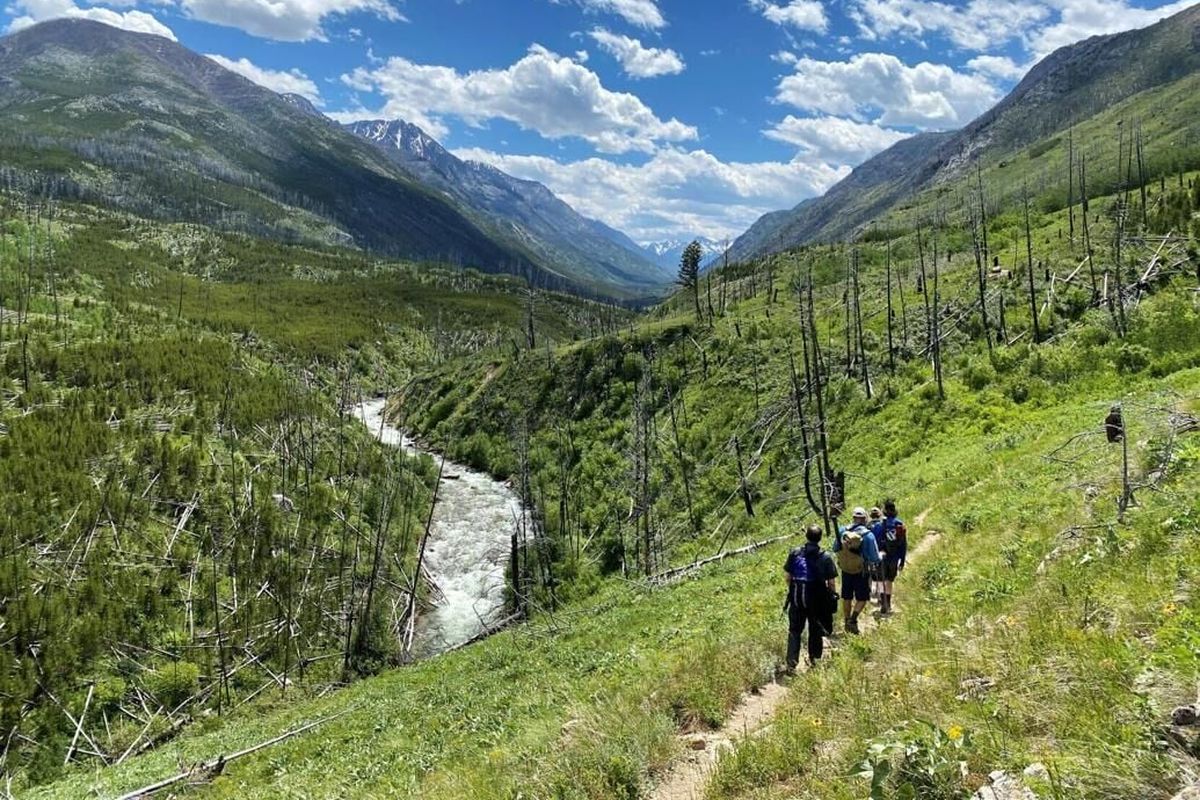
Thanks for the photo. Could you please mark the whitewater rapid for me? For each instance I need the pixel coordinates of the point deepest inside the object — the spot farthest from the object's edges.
(468, 548)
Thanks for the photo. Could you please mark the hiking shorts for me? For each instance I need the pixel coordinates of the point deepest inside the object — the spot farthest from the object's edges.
(889, 570)
(856, 587)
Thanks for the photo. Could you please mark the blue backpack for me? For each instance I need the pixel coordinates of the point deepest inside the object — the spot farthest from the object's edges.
(797, 566)
(801, 573)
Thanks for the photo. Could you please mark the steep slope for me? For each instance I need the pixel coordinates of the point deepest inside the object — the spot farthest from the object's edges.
(525, 212)
(873, 187)
(1066, 88)
(144, 124)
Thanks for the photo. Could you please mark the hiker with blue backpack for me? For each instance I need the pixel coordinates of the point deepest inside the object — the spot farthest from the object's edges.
(856, 552)
(810, 575)
(891, 537)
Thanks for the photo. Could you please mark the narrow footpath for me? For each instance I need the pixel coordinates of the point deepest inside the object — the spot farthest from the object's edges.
(688, 777)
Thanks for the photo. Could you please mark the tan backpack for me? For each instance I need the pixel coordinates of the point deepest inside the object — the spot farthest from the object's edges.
(850, 559)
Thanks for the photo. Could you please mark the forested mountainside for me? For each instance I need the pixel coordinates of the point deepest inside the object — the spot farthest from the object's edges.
(524, 211)
(1068, 87)
(1042, 561)
(140, 123)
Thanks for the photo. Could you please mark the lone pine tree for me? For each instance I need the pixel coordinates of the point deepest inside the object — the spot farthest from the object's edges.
(689, 272)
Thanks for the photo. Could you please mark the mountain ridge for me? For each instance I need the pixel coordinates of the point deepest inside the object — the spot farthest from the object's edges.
(1066, 87)
(524, 210)
(141, 123)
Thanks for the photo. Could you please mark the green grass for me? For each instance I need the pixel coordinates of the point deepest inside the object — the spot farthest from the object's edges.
(585, 704)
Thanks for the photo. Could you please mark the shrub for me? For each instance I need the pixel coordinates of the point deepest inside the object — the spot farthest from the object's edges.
(919, 760)
(173, 683)
(1132, 358)
(979, 376)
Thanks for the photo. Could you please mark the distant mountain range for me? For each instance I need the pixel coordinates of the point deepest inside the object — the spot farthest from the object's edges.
(523, 212)
(137, 122)
(1068, 87)
(667, 253)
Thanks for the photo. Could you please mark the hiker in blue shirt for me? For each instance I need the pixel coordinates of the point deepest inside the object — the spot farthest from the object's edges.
(856, 550)
(810, 578)
(891, 538)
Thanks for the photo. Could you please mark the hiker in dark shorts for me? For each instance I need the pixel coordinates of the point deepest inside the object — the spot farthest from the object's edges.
(856, 551)
(891, 537)
(876, 570)
(810, 578)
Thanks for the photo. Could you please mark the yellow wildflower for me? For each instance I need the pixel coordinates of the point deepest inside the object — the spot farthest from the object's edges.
(955, 732)
(1169, 609)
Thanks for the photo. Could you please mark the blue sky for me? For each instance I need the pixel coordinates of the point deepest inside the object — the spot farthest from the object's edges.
(664, 118)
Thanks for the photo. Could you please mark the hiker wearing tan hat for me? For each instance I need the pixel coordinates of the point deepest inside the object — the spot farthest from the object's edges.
(856, 552)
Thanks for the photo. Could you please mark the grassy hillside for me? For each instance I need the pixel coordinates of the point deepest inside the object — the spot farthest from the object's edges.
(1038, 626)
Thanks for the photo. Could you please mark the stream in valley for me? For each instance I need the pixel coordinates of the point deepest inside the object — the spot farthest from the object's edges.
(468, 547)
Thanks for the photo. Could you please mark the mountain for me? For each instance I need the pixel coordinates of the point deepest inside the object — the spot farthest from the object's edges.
(142, 124)
(1070, 86)
(668, 252)
(523, 212)
(870, 189)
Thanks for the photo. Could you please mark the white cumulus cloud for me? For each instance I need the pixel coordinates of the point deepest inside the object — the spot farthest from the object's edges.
(808, 15)
(636, 59)
(1079, 19)
(1001, 67)
(879, 87)
(642, 13)
(31, 12)
(291, 81)
(834, 139)
(978, 25)
(284, 20)
(1037, 26)
(675, 192)
(543, 92)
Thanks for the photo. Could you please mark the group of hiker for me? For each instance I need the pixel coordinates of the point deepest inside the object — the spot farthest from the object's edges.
(868, 554)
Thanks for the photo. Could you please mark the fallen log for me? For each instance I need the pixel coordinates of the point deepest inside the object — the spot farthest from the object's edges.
(210, 769)
(678, 572)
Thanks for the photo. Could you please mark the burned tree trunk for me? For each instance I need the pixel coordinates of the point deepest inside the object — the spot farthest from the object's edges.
(1037, 330)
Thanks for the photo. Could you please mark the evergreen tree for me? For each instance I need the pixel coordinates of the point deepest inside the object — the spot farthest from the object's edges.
(689, 272)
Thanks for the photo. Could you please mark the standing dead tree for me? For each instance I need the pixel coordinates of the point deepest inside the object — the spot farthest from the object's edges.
(981, 273)
(1033, 310)
(858, 326)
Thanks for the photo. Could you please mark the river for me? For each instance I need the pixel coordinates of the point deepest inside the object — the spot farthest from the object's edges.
(468, 547)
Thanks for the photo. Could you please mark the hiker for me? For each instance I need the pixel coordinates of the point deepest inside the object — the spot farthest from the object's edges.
(876, 570)
(891, 538)
(810, 577)
(856, 550)
(1114, 424)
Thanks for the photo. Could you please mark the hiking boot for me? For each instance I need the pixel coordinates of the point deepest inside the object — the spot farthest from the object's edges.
(852, 626)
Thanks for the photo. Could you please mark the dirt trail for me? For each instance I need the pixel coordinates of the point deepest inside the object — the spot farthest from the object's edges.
(687, 778)
(689, 775)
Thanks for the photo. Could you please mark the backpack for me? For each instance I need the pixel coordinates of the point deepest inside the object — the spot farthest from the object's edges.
(798, 567)
(888, 532)
(803, 571)
(850, 558)
(896, 532)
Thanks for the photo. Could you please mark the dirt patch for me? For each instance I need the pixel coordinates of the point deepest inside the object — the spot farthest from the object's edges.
(689, 775)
